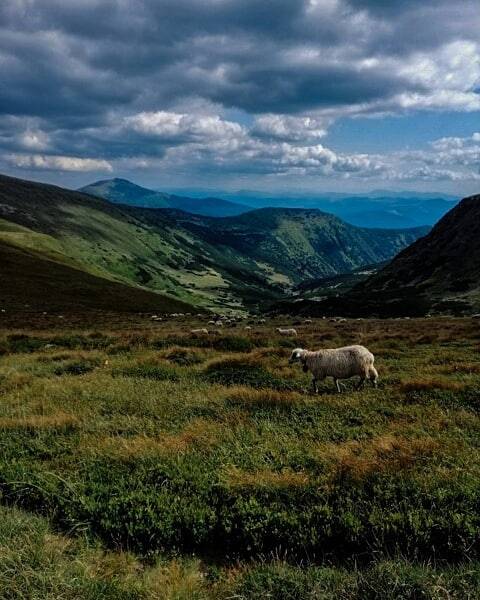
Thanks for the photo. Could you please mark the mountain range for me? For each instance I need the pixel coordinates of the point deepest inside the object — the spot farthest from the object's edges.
(238, 262)
(122, 191)
(380, 209)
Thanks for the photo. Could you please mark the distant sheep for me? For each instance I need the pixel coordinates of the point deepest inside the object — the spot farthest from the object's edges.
(339, 363)
(202, 330)
(287, 331)
(247, 328)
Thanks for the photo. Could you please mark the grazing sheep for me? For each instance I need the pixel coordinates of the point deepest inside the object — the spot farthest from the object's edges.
(306, 321)
(289, 331)
(339, 363)
(201, 330)
(247, 328)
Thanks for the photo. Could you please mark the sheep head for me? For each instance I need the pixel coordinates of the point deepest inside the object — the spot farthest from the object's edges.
(297, 355)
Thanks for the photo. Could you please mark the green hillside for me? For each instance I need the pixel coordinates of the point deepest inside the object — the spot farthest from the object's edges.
(32, 282)
(236, 262)
(302, 244)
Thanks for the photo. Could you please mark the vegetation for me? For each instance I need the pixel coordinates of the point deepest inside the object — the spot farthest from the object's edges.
(144, 462)
(234, 262)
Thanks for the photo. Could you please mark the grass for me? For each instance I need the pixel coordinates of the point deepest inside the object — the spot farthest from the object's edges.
(142, 462)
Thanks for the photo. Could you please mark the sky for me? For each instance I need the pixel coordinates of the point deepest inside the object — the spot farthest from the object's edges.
(274, 95)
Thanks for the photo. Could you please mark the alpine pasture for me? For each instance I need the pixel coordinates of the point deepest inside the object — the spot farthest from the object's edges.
(139, 460)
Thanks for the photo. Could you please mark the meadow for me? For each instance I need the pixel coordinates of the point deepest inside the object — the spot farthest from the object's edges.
(141, 461)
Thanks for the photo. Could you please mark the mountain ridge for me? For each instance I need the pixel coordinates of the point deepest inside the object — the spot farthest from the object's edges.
(233, 262)
(123, 191)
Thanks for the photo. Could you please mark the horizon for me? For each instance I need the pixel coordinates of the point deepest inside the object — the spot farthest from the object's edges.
(243, 97)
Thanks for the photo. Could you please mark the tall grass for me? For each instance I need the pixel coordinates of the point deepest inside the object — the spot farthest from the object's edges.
(130, 446)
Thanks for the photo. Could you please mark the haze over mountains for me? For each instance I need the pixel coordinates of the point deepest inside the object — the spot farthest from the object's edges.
(122, 191)
(380, 209)
(235, 262)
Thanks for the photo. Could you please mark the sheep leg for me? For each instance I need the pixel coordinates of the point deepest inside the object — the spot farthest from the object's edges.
(360, 383)
(338, 384)
(314, 385)
(373, 376)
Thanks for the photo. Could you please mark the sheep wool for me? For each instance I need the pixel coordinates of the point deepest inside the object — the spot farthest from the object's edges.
(338, 363)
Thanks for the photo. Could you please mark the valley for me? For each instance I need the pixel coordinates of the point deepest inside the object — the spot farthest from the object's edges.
(235, 263)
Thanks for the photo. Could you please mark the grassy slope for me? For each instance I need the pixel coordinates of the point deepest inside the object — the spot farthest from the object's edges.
(303, 244)
(34, 282)
(161, 449)
(118, 242)
(227, 262)
(443, 267)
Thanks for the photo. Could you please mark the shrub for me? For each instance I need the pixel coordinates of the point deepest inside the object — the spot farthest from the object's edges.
(183, 356)
(244, 371)
(76, 367)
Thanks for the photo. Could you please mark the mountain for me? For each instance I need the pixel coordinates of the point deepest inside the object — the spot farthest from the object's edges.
(438, 273)
(389, 212)
(301, 244)
(32, 281)
(235, 262)
(122, 191)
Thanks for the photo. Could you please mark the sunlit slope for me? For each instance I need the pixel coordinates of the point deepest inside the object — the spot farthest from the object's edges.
(34, 282)
(237, 262)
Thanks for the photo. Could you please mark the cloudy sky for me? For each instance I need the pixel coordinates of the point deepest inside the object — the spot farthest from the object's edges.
(278, 95)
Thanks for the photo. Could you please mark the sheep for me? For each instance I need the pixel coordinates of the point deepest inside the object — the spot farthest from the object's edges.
(247, 328)
(201, 330)
(288, 331)
(339, 363)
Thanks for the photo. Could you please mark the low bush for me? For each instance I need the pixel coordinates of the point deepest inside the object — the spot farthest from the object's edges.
(245, 371)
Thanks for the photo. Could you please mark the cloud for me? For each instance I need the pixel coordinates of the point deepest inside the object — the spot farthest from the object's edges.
(288, 128)
(58, 163)
(154, 84)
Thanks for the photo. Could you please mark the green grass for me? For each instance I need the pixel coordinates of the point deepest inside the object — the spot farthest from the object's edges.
(204, 467)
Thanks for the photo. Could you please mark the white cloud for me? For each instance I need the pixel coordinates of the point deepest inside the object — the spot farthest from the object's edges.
(58, 163)
(288, 128)
(34, 140)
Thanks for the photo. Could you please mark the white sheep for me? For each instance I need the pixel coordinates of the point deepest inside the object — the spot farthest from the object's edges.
(201, 330)
(288, 331)
(339, 363)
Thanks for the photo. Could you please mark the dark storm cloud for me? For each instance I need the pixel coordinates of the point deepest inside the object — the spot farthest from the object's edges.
(85, 57)
(76, 75)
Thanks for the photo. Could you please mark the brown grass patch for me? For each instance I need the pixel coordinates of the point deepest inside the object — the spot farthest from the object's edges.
(466, 368)
(264, 478)
(425, 385)
(59, 420)
(380, 454)
(199, 434)
(113, 565)
(244, 396)
(14, 381)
